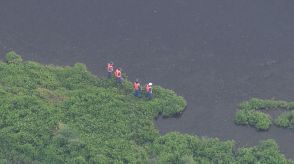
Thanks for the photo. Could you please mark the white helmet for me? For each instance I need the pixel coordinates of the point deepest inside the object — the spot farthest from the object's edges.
(150, 83)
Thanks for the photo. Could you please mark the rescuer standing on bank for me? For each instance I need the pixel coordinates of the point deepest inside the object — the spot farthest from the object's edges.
(149, 91)
(137, 88)
(118, 77)
(109, 69)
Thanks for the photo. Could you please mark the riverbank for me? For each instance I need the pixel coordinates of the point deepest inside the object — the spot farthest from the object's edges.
(56, 114)
(214, 53)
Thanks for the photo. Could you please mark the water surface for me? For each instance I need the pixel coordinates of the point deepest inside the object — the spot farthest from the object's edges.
(214, 53)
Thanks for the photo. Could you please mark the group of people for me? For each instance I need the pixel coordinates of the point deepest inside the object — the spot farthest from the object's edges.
(136, 84)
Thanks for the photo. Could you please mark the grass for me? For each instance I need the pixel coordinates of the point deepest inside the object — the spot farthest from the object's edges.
(53, 114)
(249, 113)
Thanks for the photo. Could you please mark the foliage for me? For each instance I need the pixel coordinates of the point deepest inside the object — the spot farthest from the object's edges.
(254, 104)
(265, 152)
(249, 114)
(176, 148)
(259, 120)
(52, 114)
(285, 120)
(13, 58)
(182, 148)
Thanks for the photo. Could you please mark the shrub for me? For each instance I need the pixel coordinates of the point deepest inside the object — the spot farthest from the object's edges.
(263, 121)
(174, 104)
(186, 159)
(282, 120)
(252, 104)
(248, 114)
(51, 114)
(265, 152)
(286, 120)
(290, 106)
(13, 58)
(79, 160)
(259, 120)
(242, 117)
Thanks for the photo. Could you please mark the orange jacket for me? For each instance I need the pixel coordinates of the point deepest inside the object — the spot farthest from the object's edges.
(136, 86)
(148, 88)
(117, 73)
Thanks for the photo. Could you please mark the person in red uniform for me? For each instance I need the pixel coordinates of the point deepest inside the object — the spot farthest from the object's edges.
(109, 69)
(118, 76)
(149, 91)
(137, 88)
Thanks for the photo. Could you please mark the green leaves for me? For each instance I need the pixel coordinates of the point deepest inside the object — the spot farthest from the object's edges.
(265, 152)
(13, 58)
(257, 119)
(66, 114)
(249, 114)
(51, 114)
(285, 120)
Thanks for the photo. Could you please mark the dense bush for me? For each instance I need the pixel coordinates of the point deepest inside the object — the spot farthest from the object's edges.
(254, 104)
(265, 152)
(175, 147)
(13, 58)
(248, 113)
(257, 119)
(182, 148)
(285, 120)
(51, 114)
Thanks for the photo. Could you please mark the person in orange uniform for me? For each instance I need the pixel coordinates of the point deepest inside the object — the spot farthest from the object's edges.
(149, 91)
(118, 76)
(109, 69)
(137, 88)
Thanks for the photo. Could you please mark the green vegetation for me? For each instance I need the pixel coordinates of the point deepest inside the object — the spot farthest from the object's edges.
(249, 113)
(285, 120)
(51, 114)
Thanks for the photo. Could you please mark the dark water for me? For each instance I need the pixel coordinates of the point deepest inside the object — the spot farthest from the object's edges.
(214, 53)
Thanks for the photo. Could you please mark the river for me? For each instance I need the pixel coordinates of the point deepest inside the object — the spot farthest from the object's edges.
(214, 53)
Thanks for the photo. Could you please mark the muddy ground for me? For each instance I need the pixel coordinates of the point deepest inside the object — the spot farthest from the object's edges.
(214, 53)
